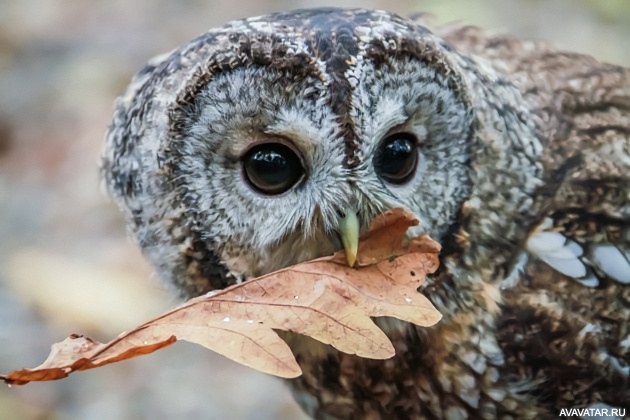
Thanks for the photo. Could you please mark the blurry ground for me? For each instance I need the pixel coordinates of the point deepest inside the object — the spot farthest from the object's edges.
(65, 263)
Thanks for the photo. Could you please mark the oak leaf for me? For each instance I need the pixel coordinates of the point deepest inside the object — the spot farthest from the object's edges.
(323, 298)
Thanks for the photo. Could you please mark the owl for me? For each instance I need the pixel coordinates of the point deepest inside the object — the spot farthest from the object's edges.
(277, 139)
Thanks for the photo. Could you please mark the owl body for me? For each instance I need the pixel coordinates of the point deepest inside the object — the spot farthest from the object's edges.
(513, 155)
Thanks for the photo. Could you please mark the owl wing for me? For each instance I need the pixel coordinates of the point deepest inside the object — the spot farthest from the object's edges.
(565, 324)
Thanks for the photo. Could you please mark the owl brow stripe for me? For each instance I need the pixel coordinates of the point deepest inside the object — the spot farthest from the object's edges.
(335, 44)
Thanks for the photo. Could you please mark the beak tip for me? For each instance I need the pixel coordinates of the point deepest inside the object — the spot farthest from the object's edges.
(349, 233)
(352, 258)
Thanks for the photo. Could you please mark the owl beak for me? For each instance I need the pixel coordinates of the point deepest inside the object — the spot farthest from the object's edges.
(349, 232)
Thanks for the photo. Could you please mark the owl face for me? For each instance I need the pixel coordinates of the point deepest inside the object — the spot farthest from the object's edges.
(265, 157)
(276, 140)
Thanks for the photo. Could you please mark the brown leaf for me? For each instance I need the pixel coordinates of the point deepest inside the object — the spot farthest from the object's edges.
(323, 298)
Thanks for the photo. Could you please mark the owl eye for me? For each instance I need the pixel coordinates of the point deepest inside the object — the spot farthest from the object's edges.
(272, 168)
(397, 158)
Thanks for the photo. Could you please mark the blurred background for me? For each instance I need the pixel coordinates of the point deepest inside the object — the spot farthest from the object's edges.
(66, 264)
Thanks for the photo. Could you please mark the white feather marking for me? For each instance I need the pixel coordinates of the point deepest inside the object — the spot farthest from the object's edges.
(590, 280)
(611, 261)
(513, 278)
(571, 267)
(564, 253)
(575, 248)
(589, 329)
(545, 242)
(559, 253)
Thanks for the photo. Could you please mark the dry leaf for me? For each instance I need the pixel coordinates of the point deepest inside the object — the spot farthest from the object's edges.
(323, 298)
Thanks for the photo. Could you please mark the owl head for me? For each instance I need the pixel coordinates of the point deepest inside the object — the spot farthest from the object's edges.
(277, 139)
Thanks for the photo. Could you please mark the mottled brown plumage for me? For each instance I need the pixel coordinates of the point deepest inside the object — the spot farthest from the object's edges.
(526, 185)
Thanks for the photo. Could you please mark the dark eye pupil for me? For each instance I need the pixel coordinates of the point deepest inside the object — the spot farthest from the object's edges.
(272, 168)
(397, 158)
